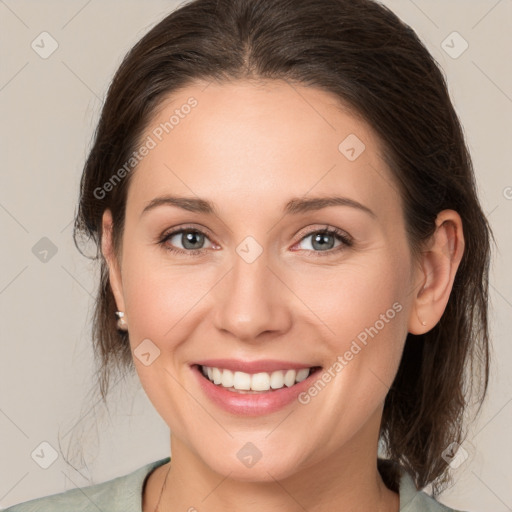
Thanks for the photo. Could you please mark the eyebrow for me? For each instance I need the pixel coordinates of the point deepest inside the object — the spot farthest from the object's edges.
(294, 206)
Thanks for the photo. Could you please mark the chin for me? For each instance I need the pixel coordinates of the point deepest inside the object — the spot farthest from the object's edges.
(243, 468)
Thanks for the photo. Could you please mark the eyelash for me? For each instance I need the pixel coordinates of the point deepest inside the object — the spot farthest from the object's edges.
(341, 235)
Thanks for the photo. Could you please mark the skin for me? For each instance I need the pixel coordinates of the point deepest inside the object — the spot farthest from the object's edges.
(249, 148)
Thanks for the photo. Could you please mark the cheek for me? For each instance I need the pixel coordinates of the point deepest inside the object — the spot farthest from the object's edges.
(365, 312)
(362, 304)
(159, 296)
(353, 295)
(162, 303)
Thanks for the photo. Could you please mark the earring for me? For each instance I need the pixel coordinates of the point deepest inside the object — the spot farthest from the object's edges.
(423, 322)
(121, 322)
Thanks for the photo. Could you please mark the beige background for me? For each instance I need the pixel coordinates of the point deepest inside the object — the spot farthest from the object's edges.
(49, 108)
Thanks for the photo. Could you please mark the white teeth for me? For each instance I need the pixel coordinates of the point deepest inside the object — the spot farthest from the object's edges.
(217, 376)
(227, 379)
(302, 374)
(289, 378)
(262, 381)
(277, 380)
(241, 380)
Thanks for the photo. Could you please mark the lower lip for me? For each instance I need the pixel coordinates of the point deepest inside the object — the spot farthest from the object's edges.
(251, 404)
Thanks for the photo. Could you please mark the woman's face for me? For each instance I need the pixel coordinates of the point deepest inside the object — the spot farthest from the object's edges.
(258, 279)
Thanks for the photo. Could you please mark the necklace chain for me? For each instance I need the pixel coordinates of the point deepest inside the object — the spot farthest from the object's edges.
(163, 487)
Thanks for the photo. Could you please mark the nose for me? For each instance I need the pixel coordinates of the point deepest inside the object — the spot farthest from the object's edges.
(252, 301)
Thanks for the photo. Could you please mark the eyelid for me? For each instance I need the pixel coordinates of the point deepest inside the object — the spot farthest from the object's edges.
(345, 238)
(169, 233)
(178, 229)
(322, 229)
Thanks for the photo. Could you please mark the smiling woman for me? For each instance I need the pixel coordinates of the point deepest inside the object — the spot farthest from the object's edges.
(296, 267)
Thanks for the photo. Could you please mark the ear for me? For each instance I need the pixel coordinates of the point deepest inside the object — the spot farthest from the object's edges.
(436, 273)
(114, 268)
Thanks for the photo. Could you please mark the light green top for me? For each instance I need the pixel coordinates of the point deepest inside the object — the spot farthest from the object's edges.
(124, 494)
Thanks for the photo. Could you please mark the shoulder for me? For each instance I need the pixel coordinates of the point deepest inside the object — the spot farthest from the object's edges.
(413, 500)
(121, 494)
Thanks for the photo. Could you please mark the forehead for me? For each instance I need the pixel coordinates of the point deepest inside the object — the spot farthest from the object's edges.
(260, 142)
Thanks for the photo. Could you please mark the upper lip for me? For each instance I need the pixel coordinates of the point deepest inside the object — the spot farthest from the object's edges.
(262, 365)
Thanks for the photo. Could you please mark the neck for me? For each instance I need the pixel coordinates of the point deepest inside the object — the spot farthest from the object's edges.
(347, 480)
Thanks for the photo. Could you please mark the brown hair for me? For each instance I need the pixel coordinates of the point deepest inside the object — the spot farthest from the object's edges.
(374, 63)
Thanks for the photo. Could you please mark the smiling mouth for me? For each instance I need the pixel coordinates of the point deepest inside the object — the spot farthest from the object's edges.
(261, 382)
